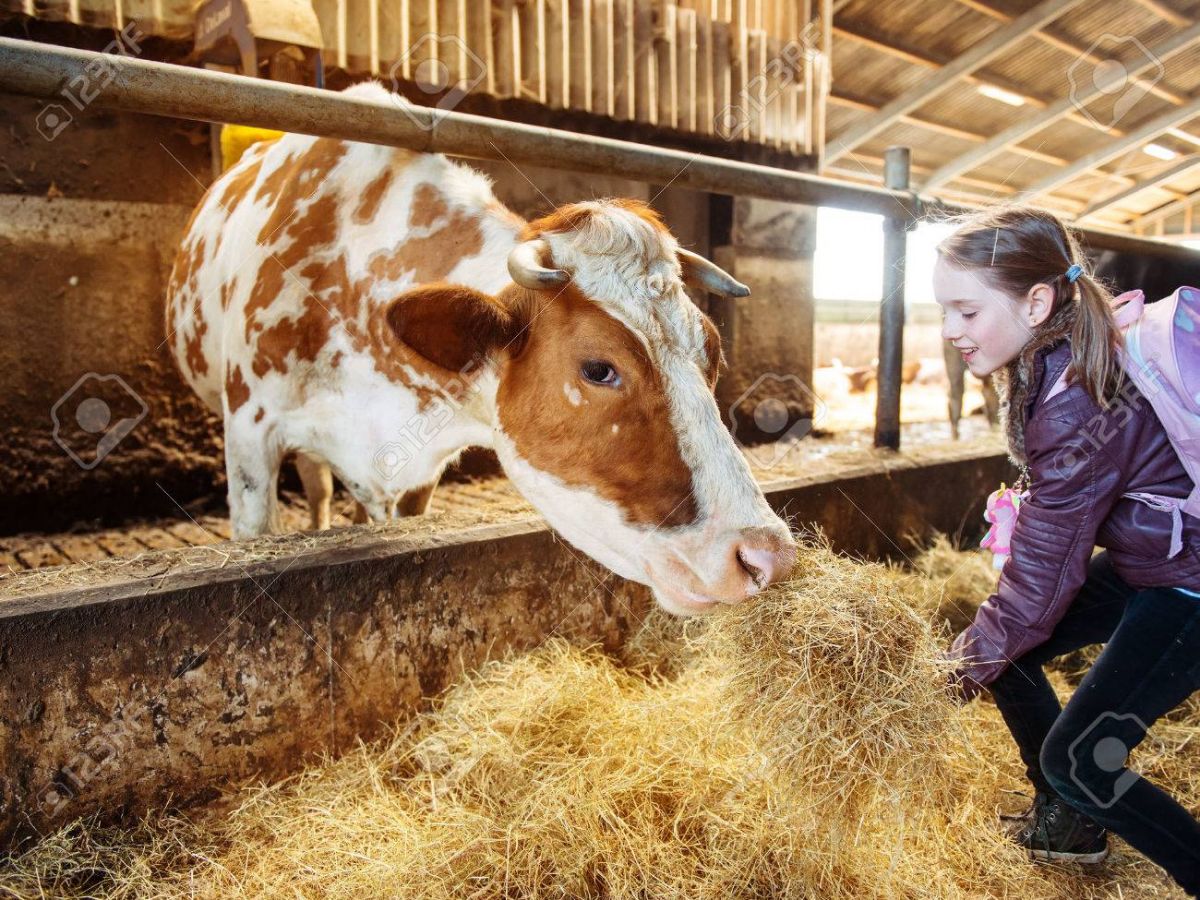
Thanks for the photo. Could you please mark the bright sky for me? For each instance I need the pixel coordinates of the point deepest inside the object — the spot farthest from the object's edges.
(848, 263)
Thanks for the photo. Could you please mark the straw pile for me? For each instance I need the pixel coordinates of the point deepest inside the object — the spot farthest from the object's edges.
(799, 746)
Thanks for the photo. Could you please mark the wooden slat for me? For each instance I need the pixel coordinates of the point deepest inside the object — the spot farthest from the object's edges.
(758, 87)
(157, 538)
(218, 525)
(666, 54)
(191, 533)
(555, 52)
(623, 59)
(449, 47)
(39, 555)
(688, 96)
(603, 56)
(80, 548)
(722, 70)
(705, 112)
(358, 36)
(645, 69)
(421, 53)
(738, 62)
(504, 51)
(392, 38)
(120, 543)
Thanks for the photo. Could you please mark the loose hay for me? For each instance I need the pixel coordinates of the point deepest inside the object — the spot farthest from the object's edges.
(799, 746)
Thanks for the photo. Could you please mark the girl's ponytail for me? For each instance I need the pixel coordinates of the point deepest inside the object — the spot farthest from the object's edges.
(1094, 342)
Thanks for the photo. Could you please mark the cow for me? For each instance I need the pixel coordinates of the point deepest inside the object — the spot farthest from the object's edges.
(376, 311)
(956, 371)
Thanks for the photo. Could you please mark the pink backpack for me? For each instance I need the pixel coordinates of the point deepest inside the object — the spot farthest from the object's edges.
(1162, 357)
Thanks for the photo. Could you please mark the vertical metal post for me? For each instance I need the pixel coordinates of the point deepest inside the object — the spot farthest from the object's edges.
(891, 311)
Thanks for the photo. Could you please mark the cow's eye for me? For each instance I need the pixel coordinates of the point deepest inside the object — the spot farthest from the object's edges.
(599, 372)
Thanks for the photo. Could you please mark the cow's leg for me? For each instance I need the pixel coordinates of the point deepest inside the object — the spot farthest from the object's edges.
(416, 501)
(955, 371)
(360, 517)
(252, 461)
(318, 488)
(991, 401)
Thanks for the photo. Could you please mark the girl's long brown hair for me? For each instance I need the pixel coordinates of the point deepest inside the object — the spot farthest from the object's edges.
(1015, 248)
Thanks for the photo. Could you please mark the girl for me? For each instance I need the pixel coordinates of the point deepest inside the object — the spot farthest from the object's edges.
(1017, 302)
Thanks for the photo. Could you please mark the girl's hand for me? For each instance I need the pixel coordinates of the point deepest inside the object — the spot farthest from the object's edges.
(964, 687)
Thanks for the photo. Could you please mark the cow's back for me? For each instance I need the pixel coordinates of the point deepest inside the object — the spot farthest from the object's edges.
(291, 255)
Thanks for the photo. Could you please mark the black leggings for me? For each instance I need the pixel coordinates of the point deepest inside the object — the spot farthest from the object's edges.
(1150, 665)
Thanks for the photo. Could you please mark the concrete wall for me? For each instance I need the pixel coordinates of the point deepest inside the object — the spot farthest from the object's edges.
(766, 393)
(89, 223)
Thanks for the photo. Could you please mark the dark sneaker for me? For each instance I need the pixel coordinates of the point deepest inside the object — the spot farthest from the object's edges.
(1021, 819)
(1056, 832)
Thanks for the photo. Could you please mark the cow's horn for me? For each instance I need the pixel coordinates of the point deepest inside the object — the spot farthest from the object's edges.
(699, 271)
(525, 267)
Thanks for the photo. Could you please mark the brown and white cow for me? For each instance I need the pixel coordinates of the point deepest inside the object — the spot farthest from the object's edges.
(377, 311)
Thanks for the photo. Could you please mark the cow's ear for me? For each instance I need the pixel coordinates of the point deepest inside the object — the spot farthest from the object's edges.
(451, 325)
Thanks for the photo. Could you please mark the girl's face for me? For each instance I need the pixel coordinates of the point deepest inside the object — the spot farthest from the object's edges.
(985, 324)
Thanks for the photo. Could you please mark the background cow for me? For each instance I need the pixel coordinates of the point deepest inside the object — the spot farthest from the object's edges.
(956, 371)
(376, 311)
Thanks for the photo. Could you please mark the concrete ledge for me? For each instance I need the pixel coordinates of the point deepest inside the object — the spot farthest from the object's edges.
(178, 674)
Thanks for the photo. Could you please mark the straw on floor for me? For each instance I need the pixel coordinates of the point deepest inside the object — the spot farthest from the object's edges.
(802, 745)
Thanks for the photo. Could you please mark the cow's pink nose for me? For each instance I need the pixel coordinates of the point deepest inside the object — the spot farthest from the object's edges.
(765, 556)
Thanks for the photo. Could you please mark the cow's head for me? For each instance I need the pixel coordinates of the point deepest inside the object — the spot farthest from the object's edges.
(604, 411)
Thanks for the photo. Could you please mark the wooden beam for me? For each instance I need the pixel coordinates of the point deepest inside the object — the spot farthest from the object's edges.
(1178, 19)
(975, 137)
(1141, 135)
(978, 56)
(1011, 136)
(1067, 45)
(1183, 167)
(1158, 216)
(920, 57)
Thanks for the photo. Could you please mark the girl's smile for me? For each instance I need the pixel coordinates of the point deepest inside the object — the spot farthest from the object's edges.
(983, 323)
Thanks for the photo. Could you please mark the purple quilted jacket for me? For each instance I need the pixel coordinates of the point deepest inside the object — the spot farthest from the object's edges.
(1082, 462)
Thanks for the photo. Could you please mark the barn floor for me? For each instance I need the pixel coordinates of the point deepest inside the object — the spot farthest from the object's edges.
(490, 501)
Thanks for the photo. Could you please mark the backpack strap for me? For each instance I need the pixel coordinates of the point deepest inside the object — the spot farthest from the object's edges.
(1174, 506)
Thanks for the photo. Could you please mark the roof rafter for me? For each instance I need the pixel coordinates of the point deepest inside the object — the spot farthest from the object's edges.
(1165, 12)
(924, 58)
(1068, 45)
(1167, 210)
(1011, 136)
(1110, 151)
(1183, 167)
(964, 64)
(858, 103)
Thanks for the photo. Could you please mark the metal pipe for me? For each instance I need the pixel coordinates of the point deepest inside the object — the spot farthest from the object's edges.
(162, 89)
(897, 165)
(182, 92)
